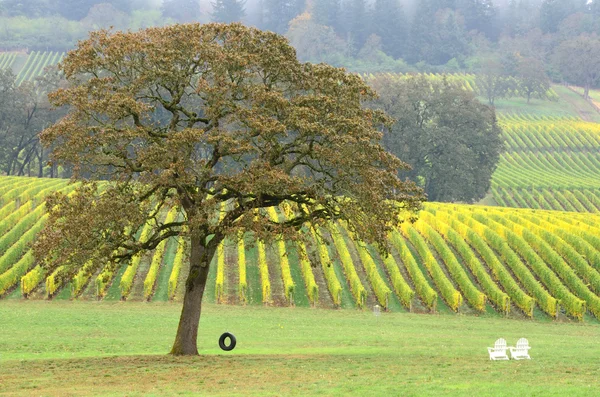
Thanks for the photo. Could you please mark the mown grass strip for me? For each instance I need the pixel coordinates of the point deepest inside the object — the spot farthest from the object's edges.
(495, 295)
(525, 302)
(472, 294)
(358, 290)
(544, 299)
(450, 295)
(157, 258)
(575, 307)
(427, 294)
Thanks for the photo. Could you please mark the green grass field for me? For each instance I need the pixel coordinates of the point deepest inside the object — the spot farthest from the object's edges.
(80, 348)
(569, 104)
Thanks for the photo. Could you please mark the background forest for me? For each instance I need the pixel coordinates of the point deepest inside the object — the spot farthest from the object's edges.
(362, 35)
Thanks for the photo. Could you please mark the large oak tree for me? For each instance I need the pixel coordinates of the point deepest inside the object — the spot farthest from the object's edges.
(452, 141)
(199, 116)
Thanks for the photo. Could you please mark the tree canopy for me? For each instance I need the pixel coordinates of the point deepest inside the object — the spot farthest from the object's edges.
(451, 140)
(211, 118)
(493, 81)
(579, 61)
(532, 79)
(181, 10)
(389, 23)
(24, 112)
(228, 10)
(277, 14)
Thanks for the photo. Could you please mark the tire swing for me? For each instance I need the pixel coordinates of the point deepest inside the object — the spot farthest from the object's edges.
(231, 344)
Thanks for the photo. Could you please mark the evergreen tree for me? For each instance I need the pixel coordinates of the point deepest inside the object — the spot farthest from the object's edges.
(553, 12)
(389, 23)
(421, 30)
(181, 10)
(579, 61)
(328, 13)
(356, 22)
(228, 10)
(74, 9)
(594, 7)
(438, 33)
(276, 14)
(479, 15)
(521, 17)
(450, 39)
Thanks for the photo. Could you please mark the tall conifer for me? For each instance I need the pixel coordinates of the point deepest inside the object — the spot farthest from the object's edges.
(357, 22)
(276, 14)
(389, 23)
(228, 10)
(328, 13)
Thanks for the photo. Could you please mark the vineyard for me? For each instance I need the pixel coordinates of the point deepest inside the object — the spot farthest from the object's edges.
(549, 163)
(455, 258)
(27, 67)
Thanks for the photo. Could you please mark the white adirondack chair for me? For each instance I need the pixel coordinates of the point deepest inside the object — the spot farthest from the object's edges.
(521, 351)
(498, 352)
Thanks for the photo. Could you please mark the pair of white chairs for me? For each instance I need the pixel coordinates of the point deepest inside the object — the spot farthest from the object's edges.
(521, 351)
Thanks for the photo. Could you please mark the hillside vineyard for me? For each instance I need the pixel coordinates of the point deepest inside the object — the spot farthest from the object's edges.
(549, 163)
(27, 67)
(469, 259)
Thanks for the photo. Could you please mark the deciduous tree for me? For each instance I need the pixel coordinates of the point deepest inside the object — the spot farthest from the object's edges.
(531, 78)
(24, 113)
(493, 82)
(199, 116)
(553, 12)
(315, 43)
(579, 61)
(451, 140)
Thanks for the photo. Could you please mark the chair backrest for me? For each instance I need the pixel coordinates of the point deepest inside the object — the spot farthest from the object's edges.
(522, 343)
(500, 344)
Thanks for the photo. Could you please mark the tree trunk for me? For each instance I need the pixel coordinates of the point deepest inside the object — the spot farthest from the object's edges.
(40, 162)
(187, 332)
(11, 162)
(586, 92)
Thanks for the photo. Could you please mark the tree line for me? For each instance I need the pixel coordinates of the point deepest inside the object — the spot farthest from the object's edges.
(515, 38)
(24, 113)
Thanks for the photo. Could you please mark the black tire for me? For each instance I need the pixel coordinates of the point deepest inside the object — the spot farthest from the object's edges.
(232, 343)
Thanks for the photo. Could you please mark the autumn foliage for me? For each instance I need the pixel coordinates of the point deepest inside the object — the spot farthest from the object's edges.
(196, 116)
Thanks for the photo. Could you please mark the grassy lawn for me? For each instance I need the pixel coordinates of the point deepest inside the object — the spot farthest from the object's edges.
(570, 104)
(85, 348)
